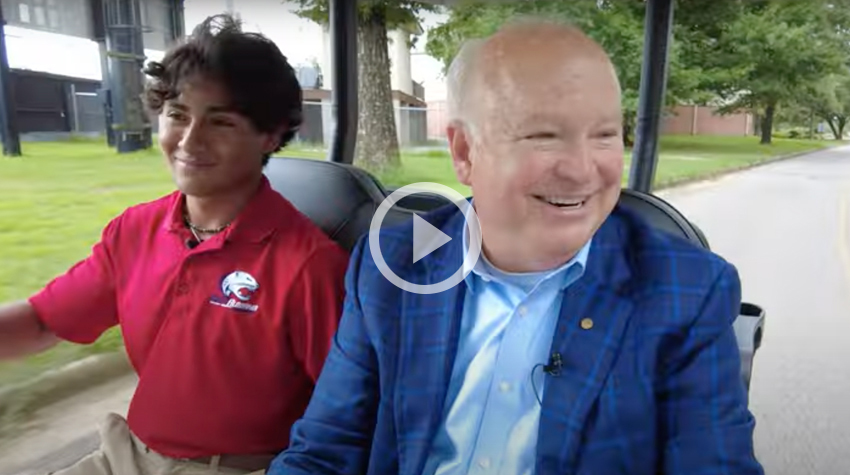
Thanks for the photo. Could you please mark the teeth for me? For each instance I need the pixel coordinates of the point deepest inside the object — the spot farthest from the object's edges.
(563, 201)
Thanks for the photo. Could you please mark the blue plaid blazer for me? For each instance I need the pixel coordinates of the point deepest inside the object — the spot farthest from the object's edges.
(653, 387)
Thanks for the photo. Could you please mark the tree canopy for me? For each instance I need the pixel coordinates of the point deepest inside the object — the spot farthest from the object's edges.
(753, 55)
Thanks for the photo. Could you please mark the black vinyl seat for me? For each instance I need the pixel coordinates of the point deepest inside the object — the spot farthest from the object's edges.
(341, 199)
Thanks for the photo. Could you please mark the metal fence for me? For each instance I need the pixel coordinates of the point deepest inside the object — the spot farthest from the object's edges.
(86, 110)
(415, 126)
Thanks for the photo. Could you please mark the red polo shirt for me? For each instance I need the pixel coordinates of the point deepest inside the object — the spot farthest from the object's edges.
(228, 338)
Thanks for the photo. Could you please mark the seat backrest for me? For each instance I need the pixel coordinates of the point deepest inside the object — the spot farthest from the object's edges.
(341, 199)
(661, 215)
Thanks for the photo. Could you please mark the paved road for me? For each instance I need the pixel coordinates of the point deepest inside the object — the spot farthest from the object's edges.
(785, 226)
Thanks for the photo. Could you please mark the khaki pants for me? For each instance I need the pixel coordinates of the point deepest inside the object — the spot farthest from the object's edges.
(122, 453)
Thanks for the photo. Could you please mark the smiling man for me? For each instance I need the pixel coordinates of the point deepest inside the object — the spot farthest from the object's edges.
(226, 296)
(582, 342)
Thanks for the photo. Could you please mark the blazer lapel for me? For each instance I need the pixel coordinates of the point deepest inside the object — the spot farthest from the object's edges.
(593, 318)
(428, 345)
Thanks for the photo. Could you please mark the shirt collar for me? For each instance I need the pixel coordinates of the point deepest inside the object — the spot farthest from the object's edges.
(484, 271)
(253, 223)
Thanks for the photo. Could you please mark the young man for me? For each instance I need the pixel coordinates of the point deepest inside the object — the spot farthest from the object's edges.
(227, 297)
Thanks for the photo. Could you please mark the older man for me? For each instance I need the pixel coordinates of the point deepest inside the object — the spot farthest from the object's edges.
(583, 341)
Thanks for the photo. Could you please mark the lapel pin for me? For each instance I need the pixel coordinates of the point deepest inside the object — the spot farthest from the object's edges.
(586, 323)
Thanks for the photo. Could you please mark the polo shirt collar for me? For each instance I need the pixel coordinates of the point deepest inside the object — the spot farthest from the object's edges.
(253, 224)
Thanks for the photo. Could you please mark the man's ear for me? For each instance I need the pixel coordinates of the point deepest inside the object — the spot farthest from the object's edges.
(460, 146)
(272, 140)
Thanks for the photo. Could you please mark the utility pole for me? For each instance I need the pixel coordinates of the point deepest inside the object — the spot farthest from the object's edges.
(125, 56)
(8, 115)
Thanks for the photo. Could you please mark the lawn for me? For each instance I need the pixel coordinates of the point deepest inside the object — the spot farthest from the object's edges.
(56, 199)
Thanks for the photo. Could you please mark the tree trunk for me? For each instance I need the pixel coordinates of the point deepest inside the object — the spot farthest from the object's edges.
(767, 124)
(833, 127)
(842, 121)
(628, 129)
(377, 142)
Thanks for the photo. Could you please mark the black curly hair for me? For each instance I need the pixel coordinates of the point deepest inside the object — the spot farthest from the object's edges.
(258, 78)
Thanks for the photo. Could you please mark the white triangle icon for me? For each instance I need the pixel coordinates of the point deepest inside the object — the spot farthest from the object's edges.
(426, 238)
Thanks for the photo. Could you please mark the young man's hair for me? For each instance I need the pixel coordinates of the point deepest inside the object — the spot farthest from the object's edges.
(259, 81)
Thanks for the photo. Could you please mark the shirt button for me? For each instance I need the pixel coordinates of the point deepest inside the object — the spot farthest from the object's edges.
(183, 288)
(522, 310)
(504, 386)
(484, 462)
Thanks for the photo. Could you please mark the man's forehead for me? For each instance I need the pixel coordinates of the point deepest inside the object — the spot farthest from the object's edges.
(551, 59)
(186, 105)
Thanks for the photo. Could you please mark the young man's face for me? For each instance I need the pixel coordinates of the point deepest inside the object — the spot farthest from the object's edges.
(210, 149)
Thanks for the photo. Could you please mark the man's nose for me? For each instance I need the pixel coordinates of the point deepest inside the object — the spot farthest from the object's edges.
(192, 139)
(575, 163)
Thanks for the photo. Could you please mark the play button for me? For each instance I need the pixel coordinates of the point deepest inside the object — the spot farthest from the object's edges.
(427, 238)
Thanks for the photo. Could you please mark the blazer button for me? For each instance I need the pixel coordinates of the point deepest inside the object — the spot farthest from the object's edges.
(586, 323)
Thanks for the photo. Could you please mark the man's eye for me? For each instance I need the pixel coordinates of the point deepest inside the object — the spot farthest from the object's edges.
(541, 136)
(223, 123)
(175, 115)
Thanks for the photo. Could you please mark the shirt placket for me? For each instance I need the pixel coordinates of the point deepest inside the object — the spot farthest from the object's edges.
(504, 398)
(510, 392)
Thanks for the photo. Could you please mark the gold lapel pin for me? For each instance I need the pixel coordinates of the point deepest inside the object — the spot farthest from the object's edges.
(586, 323)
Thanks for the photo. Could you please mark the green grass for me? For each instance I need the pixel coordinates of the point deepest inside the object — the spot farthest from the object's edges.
(687, 157)
(56, 199)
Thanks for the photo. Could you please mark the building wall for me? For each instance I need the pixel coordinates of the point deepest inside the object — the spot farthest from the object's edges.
(51, 103)
(704, 120)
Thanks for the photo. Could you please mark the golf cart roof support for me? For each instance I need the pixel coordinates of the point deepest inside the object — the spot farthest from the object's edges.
(653, 83)
(8, 117)
(343, 29)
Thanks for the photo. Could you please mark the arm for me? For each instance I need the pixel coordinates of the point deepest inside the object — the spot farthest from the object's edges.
(706, 425)
(77, 306)
(22, 333)
(334, 435)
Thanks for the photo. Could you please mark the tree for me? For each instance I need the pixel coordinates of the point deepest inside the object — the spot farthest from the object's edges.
(772, 52)
(377, 140)
(615, 24)
(829, 99)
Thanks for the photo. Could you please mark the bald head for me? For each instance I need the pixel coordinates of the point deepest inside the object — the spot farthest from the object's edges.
(525, 55)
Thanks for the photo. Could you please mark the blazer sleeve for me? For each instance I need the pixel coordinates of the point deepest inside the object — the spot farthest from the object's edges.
(706, 425)
(335, 433)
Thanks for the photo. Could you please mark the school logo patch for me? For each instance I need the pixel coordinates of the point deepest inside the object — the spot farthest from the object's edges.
(237, 290)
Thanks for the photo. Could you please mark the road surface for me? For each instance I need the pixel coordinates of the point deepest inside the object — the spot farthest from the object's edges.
(785, 226)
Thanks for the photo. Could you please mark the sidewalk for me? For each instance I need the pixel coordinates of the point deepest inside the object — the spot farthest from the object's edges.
(61, 433)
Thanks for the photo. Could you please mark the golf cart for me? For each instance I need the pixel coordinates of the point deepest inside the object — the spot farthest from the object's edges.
(342, 198)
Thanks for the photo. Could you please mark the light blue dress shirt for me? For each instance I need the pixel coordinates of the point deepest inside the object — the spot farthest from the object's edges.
(492, 409)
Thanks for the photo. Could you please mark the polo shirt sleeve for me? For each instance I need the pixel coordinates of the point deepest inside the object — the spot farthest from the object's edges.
(80, 304)
(314, 307)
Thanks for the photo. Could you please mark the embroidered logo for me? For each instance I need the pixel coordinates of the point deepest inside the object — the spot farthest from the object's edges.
(237, 289)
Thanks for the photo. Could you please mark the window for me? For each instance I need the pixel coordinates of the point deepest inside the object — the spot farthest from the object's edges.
(24, 13)
(39, 13)
(52, 14)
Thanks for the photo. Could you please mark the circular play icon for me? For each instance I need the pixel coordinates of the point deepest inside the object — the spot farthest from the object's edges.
(427, 238)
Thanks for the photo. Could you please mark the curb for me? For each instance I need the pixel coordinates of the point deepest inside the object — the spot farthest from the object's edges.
(57, 384)
(54, 385)
(675, 183)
